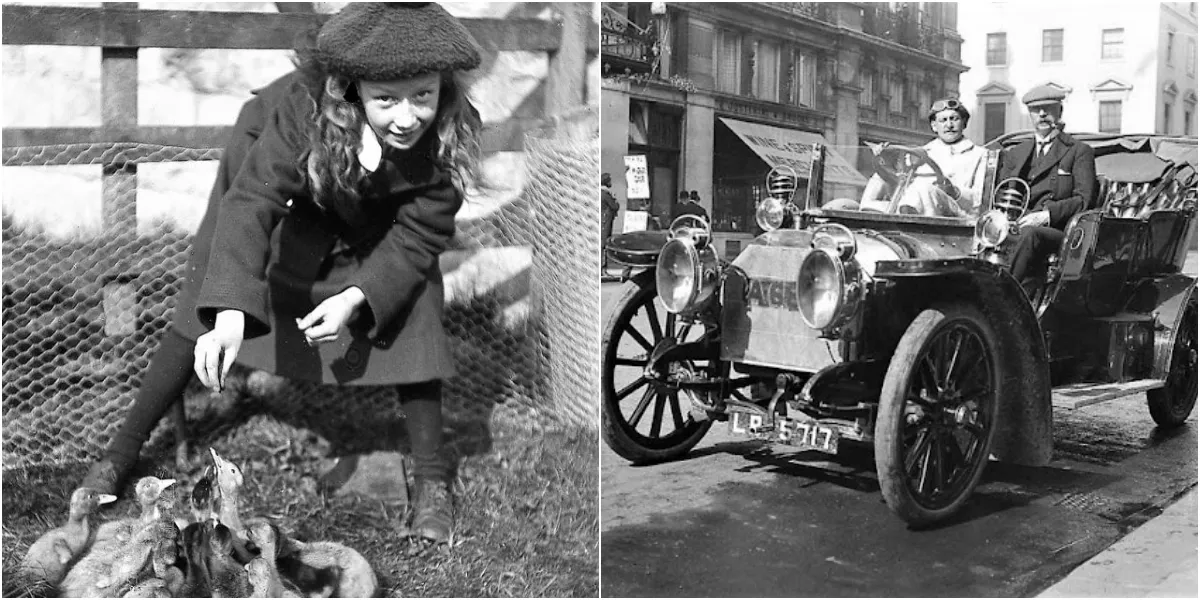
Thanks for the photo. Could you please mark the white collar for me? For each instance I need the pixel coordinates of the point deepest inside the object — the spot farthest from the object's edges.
(962, 145)
(371, 153)
(1049, 138)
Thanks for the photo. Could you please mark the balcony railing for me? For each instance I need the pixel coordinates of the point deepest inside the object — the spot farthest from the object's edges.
(632, 47)
(906, 27)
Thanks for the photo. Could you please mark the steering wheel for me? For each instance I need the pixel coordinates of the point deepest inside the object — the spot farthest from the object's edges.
(896, 166)
(896, 163)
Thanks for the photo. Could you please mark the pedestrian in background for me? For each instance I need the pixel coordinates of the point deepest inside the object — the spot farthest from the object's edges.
(335, 197)
(690, 205)
(608, 213)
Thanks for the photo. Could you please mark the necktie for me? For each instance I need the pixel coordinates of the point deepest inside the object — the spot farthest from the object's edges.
(1044, 147)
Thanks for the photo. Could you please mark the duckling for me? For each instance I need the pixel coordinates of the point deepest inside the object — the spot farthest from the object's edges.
(196, 553)
(227, 577)
(264, 580)
(264, 574)
(132, 561)
(167, 581)
(203, 496)
(355, 577)
(149, 588)
(49, 556)
(148, 491)
(229, 483)
(108, 565)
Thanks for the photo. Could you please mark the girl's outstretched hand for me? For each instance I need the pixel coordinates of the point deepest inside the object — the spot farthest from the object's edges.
(217, 349)
(327, 321)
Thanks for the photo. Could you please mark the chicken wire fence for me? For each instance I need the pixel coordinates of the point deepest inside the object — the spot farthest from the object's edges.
(82, 317)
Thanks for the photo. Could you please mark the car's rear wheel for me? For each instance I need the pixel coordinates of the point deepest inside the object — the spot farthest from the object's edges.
(1172, 404)
(937, 413)
(646, 418)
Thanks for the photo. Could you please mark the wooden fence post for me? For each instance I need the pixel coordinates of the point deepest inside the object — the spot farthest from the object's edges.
(566, 80)
(119, 109)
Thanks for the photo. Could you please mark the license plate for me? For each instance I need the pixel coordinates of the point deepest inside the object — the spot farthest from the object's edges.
(803, 433)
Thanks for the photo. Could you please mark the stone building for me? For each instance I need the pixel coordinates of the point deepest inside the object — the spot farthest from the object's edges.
(1127, 67)
(713, 94)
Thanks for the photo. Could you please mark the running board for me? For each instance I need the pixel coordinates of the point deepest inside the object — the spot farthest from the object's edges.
(1087, 394)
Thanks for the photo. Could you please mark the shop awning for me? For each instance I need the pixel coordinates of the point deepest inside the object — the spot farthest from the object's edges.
(778, 146)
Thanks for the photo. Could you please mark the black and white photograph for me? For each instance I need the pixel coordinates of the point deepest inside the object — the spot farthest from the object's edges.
(301, 299)
(898, 299)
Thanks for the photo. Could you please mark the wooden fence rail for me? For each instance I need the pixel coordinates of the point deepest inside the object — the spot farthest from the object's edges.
(121, 29)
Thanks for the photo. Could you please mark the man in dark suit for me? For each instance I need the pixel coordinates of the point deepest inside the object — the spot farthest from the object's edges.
(1061, 173)
(608, 212)
(690, 205)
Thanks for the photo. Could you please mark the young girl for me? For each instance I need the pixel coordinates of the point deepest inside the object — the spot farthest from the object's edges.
(333, 201)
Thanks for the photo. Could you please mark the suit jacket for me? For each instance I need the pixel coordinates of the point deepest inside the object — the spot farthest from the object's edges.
(690, 208)
(266, 249)
(1063, 183)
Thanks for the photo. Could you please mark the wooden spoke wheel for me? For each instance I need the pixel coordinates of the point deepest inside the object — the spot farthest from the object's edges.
(645, 416)
(937, 413)
(1172, 404)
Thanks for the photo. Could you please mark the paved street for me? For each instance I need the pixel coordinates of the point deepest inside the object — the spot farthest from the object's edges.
(736, 518)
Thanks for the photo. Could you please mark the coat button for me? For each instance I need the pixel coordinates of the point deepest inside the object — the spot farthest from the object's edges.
(353, 358)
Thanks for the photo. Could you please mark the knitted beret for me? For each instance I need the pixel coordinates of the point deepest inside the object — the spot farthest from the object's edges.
(378, 41)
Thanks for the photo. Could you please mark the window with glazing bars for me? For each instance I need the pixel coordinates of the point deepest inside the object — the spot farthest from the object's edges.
(1052, 45)
(1110, 116)
(997, 49)
(1112, 44)
(727, 62)
(766, 71)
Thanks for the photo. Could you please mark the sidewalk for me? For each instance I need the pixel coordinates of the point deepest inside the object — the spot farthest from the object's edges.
(1156, 560)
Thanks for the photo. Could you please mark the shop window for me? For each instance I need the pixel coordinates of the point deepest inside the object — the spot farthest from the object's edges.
(1110, 116)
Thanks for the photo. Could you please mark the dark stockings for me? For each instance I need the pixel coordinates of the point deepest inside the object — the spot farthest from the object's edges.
(171, 369)
(169, 373)
(422, 405)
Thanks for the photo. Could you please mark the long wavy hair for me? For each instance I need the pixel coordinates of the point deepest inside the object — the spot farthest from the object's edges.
(330, 163)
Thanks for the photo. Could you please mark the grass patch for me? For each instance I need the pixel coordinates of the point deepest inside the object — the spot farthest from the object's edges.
(527, 512)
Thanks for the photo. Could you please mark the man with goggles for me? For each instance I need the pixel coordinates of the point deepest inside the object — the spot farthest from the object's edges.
(961, 161)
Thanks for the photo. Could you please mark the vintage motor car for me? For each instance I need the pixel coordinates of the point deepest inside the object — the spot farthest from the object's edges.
(840, 325)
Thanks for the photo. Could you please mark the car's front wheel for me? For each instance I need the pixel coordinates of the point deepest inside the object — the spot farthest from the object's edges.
(1172, 404)
(645, 417)
(937, 413)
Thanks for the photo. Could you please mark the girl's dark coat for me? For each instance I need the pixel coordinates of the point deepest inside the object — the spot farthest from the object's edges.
(264, 248)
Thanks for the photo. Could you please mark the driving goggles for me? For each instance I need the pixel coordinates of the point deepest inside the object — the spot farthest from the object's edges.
(949, 104)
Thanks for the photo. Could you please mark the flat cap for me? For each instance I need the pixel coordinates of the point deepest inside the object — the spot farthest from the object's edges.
(1043, 95)
(380, 41)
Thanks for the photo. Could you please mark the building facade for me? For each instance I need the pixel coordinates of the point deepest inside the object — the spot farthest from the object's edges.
(714, 94)
(1127, 67)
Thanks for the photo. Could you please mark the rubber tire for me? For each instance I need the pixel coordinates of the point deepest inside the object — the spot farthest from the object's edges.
(1162, 402)
(889, 439)
(612, 424)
